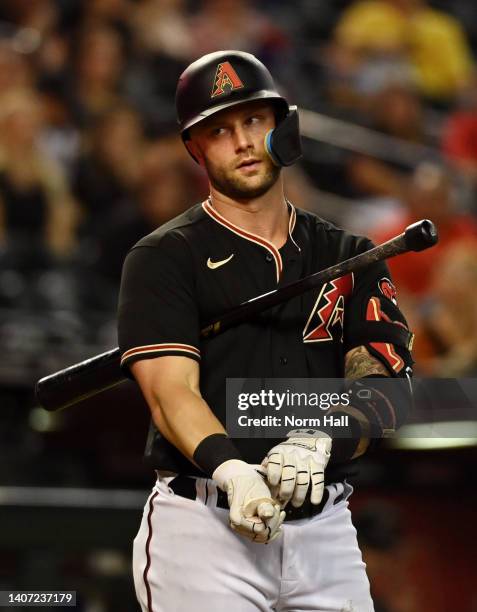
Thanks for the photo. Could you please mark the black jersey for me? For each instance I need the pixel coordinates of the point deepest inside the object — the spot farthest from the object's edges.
(200, 265)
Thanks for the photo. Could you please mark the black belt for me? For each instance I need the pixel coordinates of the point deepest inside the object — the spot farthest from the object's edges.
(185, 487)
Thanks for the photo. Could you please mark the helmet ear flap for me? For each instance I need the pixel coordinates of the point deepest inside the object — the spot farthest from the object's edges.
(283, 143)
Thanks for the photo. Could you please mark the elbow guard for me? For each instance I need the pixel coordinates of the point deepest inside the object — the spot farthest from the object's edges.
(384, 332)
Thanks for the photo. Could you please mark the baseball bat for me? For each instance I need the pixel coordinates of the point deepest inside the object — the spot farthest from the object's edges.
(101, 372)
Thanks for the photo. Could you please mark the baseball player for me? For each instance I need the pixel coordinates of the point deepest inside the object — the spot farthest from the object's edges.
(248, 525)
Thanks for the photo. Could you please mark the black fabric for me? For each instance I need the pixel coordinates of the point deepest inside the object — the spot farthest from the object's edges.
(379, 331)
(213, 451)
(374, 295)
(185, 487)
(342, 449)
(168, 292)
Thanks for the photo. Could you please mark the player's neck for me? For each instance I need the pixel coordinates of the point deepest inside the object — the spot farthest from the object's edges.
(267, 216)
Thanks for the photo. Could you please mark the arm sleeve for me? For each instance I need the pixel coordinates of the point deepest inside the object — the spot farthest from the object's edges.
(373, 319)
(158, 312)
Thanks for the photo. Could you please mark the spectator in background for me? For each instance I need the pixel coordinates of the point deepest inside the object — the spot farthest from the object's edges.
(378, 184)
(430, 195)
(238, 24)
(59, 137)
(99, 67)
(162, 42)
(37, 213)
(37, 15)
(108, 12)
(161, 27)
(394, 110)
(448, 324)
(51, 59)
(167, 183)
(15, 73)
(114, 14)
(107, 173)
(431, 41)
(459, 141)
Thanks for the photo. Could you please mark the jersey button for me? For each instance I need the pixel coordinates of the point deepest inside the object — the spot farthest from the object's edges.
(284, 360)
(269, 257)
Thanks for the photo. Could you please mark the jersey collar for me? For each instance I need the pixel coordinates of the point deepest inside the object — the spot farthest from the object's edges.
(271, 248)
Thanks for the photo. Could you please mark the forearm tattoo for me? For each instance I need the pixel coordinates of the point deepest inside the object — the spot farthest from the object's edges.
(359, 363)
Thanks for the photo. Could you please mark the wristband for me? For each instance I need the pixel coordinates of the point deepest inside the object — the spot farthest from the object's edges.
(214, 450)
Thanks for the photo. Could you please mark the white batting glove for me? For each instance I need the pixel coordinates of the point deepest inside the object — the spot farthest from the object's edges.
(253, 512)
(271, 533)
(294, 463)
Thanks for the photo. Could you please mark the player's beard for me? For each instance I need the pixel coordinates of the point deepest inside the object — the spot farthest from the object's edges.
(231, 184)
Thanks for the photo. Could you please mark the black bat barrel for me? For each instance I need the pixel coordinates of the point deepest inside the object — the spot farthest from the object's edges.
(421, 235)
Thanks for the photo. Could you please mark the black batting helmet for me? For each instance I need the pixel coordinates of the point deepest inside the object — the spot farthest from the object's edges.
(223, 79)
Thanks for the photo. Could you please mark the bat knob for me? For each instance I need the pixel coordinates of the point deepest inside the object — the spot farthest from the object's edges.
(421, 235)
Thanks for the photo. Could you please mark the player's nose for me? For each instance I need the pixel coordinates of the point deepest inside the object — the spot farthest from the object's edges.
(242, 140)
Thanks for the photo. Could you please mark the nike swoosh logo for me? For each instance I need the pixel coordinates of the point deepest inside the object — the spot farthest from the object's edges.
(213, 265)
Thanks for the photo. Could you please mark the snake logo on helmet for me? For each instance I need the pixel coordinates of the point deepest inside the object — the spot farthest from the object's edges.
(224, 79)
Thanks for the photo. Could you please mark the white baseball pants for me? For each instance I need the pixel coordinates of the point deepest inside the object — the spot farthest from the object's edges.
(187, 559)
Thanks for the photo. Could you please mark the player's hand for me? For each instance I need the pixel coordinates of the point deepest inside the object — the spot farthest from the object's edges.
(253, 511)
(272, 531)
(295, 463)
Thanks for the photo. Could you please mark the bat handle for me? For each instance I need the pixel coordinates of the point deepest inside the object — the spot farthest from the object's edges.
(80, 381)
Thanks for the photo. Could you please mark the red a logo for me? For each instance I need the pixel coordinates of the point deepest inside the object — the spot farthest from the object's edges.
(225, 78)
(328, 310)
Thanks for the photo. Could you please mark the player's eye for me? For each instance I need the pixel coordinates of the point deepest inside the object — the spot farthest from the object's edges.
(218, 131)
(253, 119)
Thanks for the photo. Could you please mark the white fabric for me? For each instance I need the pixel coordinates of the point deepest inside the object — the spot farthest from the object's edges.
(198, 563)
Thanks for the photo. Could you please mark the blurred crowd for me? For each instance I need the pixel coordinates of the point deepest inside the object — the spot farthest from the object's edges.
(90, 158)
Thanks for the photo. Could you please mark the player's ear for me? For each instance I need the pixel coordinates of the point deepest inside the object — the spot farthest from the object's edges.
(195, 150)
